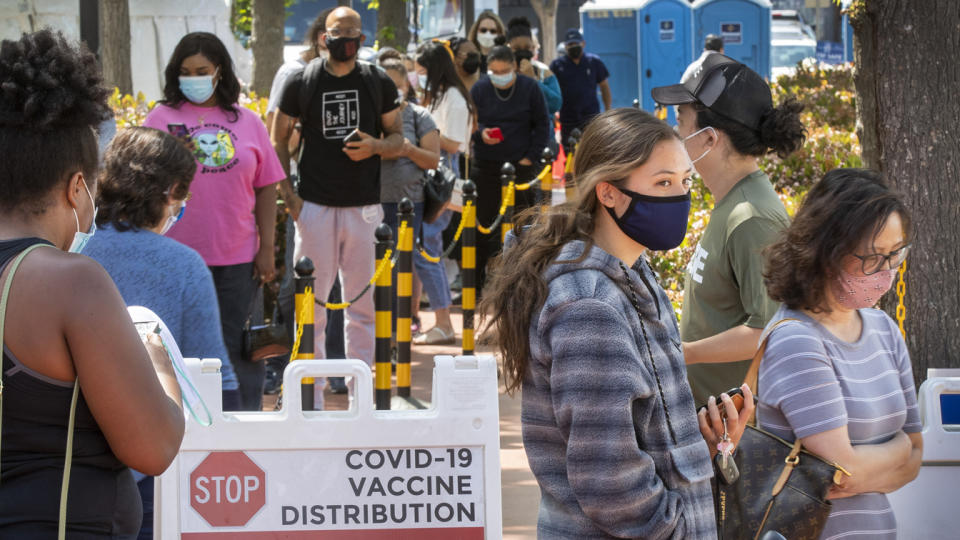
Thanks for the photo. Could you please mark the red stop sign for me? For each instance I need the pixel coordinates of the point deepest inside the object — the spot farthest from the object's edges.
(227, 489)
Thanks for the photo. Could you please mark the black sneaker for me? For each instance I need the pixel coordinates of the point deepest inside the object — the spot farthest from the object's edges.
(337, 385)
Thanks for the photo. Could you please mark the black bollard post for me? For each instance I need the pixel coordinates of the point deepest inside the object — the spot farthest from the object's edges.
(304, 311)
(383, 305)
(468, 259)
(508, 177)
(404, 292)
(546, 185)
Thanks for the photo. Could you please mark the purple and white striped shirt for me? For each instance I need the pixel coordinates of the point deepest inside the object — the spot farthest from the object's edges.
(811, 382)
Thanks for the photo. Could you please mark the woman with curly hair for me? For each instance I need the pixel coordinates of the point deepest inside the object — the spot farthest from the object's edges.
(588, 333)
(81, 392)
(837, 373)
(727, 120)
(234, 206)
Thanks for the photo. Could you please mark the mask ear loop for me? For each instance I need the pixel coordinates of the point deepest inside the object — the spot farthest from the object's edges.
(705, 152)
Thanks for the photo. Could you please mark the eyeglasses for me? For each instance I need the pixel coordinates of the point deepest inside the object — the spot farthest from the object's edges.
(871, 264)
(487, 31)
(349, 32)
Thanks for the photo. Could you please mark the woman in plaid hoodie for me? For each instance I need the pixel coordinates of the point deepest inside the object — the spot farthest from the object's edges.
(586, 331)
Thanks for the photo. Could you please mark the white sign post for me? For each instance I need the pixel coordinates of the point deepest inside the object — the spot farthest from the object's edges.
(359, 473)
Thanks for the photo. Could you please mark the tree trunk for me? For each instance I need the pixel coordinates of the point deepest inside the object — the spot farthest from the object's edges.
(546, 11)
(906, 80)
(115, 44)
(392, 25)
(266, 40)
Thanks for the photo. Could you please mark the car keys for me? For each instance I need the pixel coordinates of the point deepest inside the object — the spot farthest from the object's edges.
(729, 472)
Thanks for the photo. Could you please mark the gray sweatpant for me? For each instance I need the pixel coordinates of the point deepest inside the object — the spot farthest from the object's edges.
(341, 239)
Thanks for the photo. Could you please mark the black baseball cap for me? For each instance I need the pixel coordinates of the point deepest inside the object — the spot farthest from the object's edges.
(572, 36)
(724, 86)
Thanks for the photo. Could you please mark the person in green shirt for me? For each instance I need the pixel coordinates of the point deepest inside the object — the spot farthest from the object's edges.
(726, 116)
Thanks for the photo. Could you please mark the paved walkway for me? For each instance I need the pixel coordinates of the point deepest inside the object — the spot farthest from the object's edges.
(521, 496)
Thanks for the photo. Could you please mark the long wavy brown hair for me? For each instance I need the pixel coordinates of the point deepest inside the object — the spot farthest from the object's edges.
(613, 145)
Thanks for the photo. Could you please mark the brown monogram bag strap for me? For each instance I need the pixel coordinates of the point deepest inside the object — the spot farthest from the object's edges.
(754, 371)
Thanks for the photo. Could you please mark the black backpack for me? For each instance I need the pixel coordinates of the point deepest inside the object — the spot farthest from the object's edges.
(311, 81)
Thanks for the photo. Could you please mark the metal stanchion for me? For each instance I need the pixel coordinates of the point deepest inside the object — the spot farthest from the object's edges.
(404, 292)
(508, 176)
(304, 311)
(468, 258)
(384, 315)
(568, 180)
(546, 184)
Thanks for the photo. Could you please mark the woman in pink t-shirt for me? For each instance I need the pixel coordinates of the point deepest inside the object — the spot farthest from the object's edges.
(232, 213)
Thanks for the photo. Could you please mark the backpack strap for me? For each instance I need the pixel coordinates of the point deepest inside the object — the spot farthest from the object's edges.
(372, 81)
(68, 457)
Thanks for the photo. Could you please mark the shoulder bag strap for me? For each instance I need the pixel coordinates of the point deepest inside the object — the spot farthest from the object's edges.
(68, 457)
(754, 371)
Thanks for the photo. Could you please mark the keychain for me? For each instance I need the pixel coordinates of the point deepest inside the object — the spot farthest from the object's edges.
(729, 472)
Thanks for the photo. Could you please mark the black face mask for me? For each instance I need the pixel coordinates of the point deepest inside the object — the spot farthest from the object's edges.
(343, 49)
(523, 54)
(471, 64)
(575, 52)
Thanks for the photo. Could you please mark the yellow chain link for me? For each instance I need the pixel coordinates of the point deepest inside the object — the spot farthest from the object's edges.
(901, 292)
(304, 305)
(503, 207)
(383, 264)
(468, 207)
(546, 171)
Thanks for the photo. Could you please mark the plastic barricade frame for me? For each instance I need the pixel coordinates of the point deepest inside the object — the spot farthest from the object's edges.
(356, 473)
(926, 508)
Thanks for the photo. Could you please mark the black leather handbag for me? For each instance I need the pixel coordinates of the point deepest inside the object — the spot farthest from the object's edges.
(264, 340)
(437, 191)
(781, 487)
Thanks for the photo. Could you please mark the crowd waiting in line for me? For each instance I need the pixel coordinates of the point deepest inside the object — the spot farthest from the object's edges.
(610, 381)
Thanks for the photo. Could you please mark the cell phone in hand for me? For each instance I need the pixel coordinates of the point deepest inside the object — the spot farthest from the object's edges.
(495, 133)
(353, 136)
(736, 395)
(178, 130)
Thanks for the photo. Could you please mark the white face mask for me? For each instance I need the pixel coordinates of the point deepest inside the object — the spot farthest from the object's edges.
(486, 40)
(694, 134)
(80, 239)
(173, 219)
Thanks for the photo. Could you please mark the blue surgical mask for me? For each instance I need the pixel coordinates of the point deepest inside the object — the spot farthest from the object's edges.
(197, 89)
(501, 80)
(80, 239)
(657, 223)
(422, 79)
(173, 219)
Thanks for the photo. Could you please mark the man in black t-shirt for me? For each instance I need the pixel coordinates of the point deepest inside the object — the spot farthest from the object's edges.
(337, 206)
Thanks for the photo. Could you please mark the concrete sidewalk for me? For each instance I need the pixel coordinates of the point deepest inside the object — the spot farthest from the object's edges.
(521, 495)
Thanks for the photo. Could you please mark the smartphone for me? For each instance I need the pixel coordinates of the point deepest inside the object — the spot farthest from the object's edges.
(178, 130)
(354, 136)
(146, 328)
(736, 395)
(495, 133)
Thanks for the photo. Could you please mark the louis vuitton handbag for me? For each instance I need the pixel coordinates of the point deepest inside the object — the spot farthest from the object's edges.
(781, 486)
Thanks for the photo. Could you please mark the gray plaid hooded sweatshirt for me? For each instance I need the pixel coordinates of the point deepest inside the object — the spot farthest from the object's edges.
(617, 453)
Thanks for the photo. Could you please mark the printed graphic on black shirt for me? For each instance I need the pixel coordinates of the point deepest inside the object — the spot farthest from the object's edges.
(216, 148)
(341, 113)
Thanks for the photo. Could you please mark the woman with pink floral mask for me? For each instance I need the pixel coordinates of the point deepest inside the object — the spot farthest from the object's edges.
(837, 373)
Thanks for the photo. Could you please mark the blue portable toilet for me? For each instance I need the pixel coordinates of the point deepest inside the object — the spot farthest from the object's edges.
(644, 43)
(744, 26)
(847, 39)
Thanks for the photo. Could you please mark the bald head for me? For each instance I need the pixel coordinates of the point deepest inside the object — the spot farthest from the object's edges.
(343, 14)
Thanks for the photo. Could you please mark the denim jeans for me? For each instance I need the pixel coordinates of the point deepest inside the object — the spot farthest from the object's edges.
(236, 287)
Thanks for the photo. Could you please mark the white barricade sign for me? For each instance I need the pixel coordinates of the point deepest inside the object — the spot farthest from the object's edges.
(926, 508)
(351, 474)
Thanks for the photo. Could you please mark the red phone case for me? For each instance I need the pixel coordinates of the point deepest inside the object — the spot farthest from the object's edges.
(496, 133)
